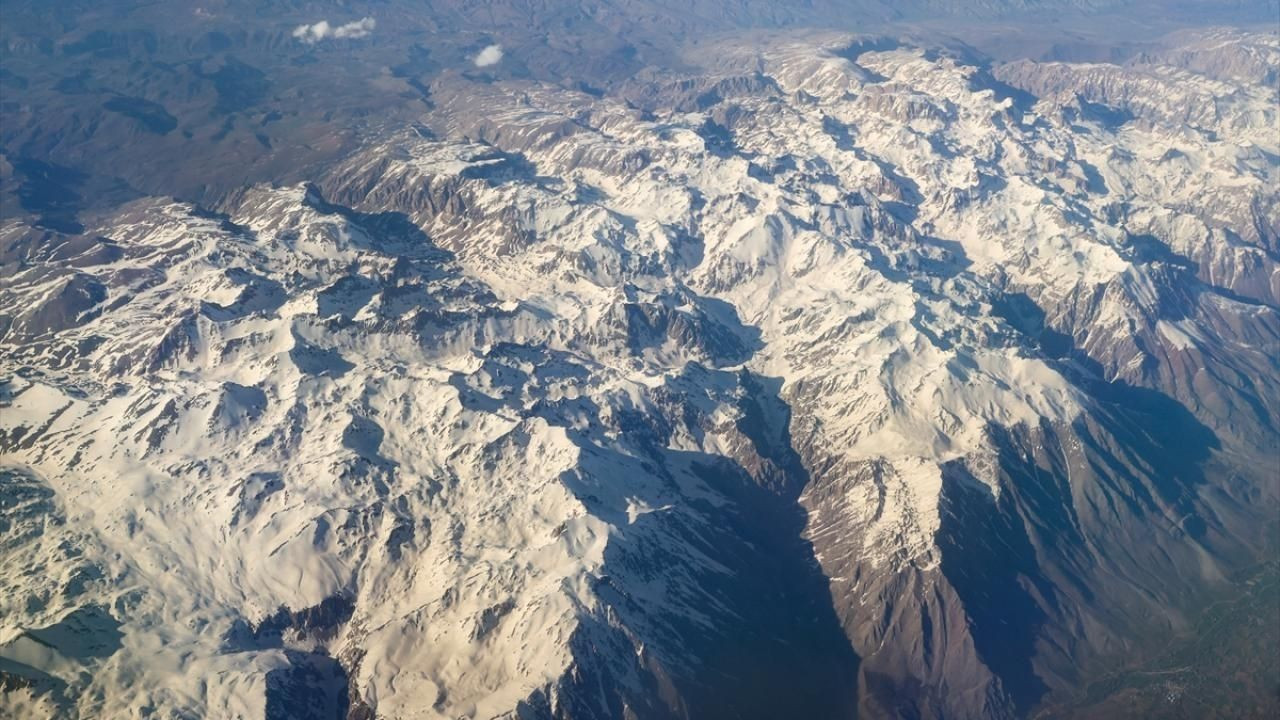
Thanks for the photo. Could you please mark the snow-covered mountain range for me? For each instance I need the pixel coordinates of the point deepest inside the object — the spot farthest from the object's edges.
(827, 376)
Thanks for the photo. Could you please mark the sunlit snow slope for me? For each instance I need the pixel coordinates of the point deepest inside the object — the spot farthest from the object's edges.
(863, 381)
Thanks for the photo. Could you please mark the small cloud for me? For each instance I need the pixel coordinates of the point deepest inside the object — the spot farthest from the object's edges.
(314, 33)
(489, 56)
(358, 29)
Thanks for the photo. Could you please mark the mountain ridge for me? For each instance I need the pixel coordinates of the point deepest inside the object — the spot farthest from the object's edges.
(796, 390)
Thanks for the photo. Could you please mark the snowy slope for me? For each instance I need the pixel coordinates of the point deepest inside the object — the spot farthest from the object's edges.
(778, 394)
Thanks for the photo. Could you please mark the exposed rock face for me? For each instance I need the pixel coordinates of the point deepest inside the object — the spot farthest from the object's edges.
(869, 383)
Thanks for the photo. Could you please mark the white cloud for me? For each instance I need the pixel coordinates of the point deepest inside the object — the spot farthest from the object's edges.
(357, 29)
(489, 56)
(314, 33)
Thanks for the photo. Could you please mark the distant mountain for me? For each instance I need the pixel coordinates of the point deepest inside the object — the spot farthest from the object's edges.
(136, 96)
